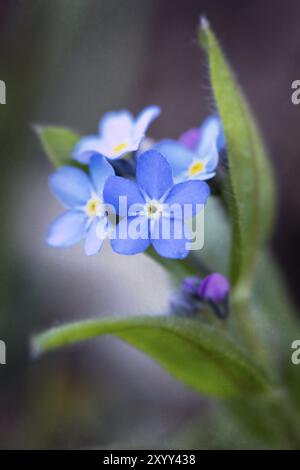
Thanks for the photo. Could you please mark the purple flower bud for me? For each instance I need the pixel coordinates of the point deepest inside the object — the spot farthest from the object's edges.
(214, 287)
(190, 285)
(190, 139)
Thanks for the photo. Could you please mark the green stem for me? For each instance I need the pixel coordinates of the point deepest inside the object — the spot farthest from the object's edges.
(242, 317)
(178, 269)
(281, 408)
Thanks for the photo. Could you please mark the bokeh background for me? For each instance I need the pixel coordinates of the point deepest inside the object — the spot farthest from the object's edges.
(67, 62)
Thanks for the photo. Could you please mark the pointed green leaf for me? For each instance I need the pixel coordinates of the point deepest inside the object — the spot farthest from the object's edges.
(249, 187)
(197, 354)
(58, 144)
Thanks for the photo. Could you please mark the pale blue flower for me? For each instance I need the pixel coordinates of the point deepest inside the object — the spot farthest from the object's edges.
(119, 134)
(82, 195)
(196, 154)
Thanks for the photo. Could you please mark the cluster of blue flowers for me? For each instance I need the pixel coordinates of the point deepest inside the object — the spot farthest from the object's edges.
(170, 173)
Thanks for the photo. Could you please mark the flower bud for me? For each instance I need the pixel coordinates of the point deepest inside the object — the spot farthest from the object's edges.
(190, 285)
(190, 139)
(182, 304)
(214, 289)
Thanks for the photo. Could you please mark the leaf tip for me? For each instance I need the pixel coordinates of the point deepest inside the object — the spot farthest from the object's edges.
(35, 351)
(36, 128)
(204, 30)
(204, 23)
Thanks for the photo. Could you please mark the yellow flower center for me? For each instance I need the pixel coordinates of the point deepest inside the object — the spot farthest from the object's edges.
(119, 147)
(196, 168)
(94, 207)
(153, 209)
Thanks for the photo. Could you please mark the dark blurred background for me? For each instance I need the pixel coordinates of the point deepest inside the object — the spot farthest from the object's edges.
(67, 62)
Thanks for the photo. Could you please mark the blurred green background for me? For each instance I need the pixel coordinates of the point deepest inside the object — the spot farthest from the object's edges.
(67, 62)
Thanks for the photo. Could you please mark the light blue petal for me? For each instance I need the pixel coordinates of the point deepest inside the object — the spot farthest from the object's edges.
(193, 193)
(171, 246)
(154, 174)
(209, 132)
(206, 175)
(93, 243)
(116, 126)
(122, 241)
(211, 162)
(67, 230)
(144, 119)
(100, 171)
(117, 187)
(103, 228)
(181, 177)
(178, 156)
(71, 186)
(86, 147)
(221, 141)
(213, 156)
(130, 147)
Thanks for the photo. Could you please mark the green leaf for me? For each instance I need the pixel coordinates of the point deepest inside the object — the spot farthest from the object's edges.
(197, 354)
(58, 144)
(249, 189)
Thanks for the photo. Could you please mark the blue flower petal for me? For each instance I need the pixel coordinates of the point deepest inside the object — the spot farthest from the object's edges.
(116, 125)
(86, 147)
(209, 132)
(178, 156)
(116, 187)
(205, 175)
(71, 186)
(93, 242)
(171, 243)
(193, 193)
(144, 119)
(112, 154)
(221, 140)
(153, 174)
(213, 159)
(123, 241)
(67, 230)
(100, 171)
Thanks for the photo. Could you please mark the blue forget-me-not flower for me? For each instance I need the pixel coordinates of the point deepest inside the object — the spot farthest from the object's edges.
(196, 154)
(149, 208)
(119, 134)
(86, 216)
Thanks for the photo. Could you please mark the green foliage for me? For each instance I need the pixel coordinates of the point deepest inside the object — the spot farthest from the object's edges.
(202, 356)
(57, 143)
(249, 189)
(197, 354)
